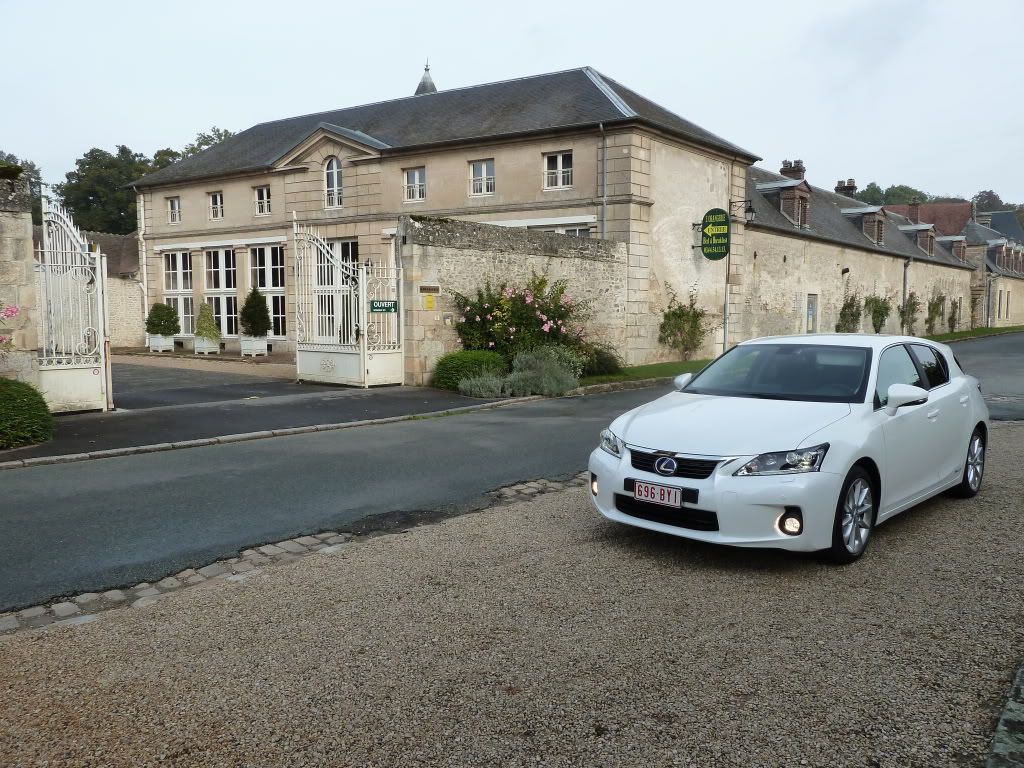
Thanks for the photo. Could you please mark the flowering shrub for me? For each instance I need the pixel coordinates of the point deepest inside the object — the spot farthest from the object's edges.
(7, 311)
(508, 320)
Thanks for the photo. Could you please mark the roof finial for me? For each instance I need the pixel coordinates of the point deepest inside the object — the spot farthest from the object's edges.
(426, 82)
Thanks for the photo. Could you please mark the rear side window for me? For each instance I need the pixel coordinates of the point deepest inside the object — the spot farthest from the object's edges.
(895, 367)
(933, 363)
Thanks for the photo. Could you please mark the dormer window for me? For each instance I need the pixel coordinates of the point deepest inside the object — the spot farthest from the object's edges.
(960, 250)
(879, 237)
(795, 204)
(926, 241)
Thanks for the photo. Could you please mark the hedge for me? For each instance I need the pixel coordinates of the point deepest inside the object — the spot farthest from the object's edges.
(456, 366)
(24, 417)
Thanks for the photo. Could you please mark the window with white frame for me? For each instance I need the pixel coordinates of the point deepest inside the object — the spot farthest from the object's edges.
(174, 210)
(332, 183)
(481, 177)
(415, 187)
(262, 200)
(178, 288)
(268, 275)
(216, 206)
(222, 288)
(558, 170)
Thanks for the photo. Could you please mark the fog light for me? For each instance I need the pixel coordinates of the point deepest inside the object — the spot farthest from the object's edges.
(593, 483)
(792, 521)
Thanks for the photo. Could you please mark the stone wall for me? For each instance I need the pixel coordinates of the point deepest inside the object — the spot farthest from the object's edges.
(783, 271)
(17, 281)
(444, 255)
(125, 312)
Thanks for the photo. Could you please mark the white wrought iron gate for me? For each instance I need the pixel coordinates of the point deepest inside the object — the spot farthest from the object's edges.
(74, 373)
(348, 316)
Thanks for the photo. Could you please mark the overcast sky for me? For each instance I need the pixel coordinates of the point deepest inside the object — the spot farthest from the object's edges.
(924, 93)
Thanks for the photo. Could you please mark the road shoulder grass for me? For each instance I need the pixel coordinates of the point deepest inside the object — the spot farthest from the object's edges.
(652, 371)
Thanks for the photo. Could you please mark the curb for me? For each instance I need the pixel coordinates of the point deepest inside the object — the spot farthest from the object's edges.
(1008, 740)
(974, 338)
(111, 453)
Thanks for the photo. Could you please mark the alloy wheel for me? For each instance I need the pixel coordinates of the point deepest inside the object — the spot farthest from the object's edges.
(858, 507)
(975, 462)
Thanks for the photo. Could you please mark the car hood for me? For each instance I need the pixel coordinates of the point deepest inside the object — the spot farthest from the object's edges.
(710, 425)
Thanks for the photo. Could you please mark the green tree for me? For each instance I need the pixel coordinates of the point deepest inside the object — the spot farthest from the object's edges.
(205, 140)
(987, 200)
(164, 157)
(35, 182)
(872, 194)
(901, 194)
(97, 192)
(255, 315)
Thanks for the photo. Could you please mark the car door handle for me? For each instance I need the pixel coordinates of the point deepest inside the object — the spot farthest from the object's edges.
(932, 414)
(964, 399)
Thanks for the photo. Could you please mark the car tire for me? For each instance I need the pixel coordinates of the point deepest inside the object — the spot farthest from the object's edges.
(974, 467)
(856, 511)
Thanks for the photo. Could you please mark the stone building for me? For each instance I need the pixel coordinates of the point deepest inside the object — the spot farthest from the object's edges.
(572, 154)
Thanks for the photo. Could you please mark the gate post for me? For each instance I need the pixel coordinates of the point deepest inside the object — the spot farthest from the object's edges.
(18, 281)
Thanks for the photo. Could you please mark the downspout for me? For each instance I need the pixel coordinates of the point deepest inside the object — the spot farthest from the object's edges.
(604, 177)
(906, 268)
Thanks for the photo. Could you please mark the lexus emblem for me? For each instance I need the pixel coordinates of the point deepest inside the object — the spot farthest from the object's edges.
(665, 465)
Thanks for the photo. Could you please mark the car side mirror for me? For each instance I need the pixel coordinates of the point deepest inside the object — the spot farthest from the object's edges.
(682, 380)
(904, 394)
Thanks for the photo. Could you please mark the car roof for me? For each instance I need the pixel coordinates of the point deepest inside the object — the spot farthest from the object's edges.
(870, 340)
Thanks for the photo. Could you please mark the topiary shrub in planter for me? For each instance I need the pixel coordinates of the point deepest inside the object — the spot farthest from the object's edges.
(456, 366)
(162, 325)
(24, 417)
(255, 321)
(207, 337)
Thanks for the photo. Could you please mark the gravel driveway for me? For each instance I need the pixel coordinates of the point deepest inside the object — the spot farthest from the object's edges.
(539, 634)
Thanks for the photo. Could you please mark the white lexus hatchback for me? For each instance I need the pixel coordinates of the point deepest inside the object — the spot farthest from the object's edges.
(797, 442)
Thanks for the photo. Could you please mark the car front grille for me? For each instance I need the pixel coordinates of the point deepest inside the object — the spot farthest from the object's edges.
(681, 517)
(694, 469)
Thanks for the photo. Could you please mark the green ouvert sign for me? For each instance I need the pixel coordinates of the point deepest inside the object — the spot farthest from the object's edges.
(714, 234)
(383, 305)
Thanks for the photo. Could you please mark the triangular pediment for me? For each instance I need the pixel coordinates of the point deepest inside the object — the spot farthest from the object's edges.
(336, 140)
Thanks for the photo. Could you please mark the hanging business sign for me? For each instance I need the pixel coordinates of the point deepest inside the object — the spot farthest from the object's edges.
(714, 234)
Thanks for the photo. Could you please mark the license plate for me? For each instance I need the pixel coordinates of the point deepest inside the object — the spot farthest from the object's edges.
(658, 494)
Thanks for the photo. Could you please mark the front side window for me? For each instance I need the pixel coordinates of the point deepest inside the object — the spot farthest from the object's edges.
(558, 170)
(268, 275)
(178, 288)
(262, 201)
(805, 372)
(221, 287)
(481, 177)
(216, 206)
(415, 184)
(895, 367)
(174, 210)
(332, 183)
(935, 367)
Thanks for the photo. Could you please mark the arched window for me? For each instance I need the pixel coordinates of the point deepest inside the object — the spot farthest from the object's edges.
(332, 178)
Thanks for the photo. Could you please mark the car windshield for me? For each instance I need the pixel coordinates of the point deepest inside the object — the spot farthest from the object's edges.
(809, 372)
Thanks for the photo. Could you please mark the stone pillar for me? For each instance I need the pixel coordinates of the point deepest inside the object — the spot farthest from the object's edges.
(18, 281)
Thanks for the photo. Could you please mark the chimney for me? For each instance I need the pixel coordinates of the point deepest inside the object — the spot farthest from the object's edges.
(985, 219)
(848, 187)
(793, 170)
(914, 212)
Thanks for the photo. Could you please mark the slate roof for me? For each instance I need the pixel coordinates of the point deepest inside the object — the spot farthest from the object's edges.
(948, 218)
(830, 224)
(979, 234)
(122, 251)
(1008, 223)
(576, 98)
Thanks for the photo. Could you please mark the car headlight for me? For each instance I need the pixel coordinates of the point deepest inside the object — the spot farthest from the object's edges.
(610, 443)
(785, 462)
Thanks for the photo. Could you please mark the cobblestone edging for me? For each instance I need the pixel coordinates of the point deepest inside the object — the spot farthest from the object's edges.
(1008, 741)
(89, 606)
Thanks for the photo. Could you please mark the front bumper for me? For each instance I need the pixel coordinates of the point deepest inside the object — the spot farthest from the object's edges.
(745, 510)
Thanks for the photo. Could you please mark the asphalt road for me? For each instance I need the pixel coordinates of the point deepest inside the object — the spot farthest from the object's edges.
(95, 525)
(998, 363)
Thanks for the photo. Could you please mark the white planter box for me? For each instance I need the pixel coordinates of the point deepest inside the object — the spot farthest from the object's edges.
(253, 345)
(206, 346)
(161, 343)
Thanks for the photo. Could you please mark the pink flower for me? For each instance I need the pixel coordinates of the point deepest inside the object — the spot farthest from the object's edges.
(546, 327)
(489, 317)
(487, 306)
(4, 340)
(9, 311)
(478, 318)
(490, 343)
(542, 317)
(529, 297)
(509, 292)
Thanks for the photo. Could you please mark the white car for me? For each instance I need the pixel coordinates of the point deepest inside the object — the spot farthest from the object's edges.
(796, 442)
